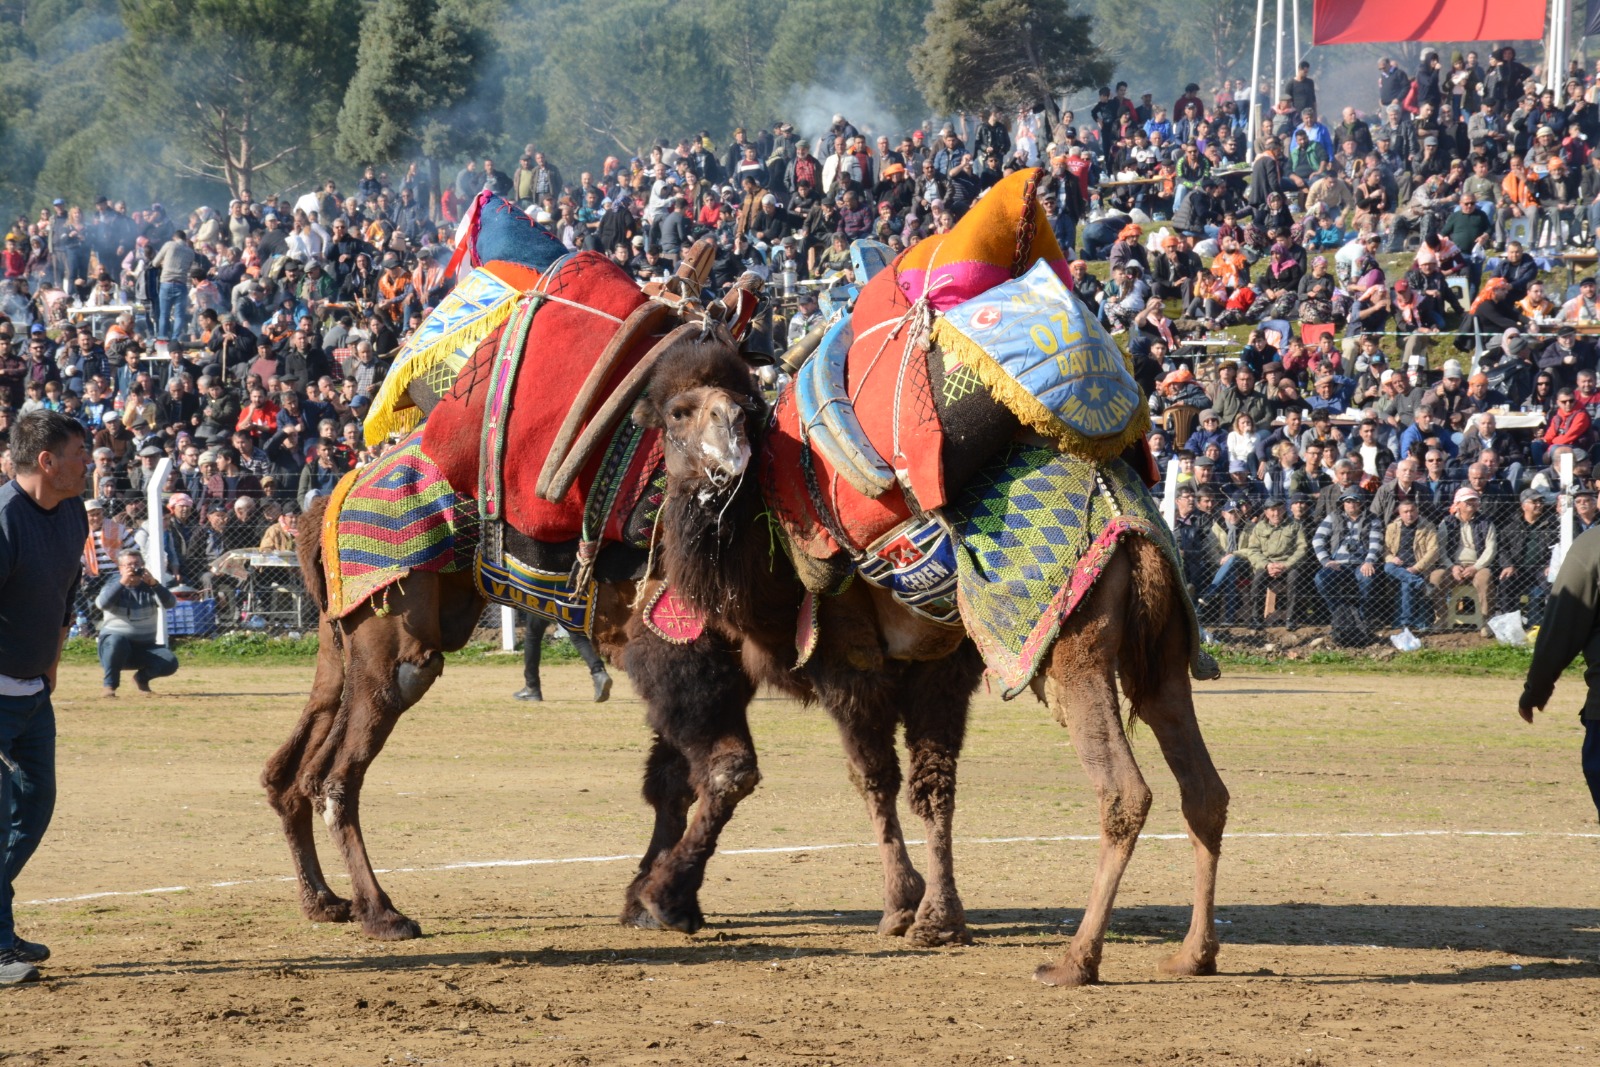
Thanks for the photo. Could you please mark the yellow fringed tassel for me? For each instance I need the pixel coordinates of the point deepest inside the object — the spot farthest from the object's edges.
(1029, 410)
(392, 411)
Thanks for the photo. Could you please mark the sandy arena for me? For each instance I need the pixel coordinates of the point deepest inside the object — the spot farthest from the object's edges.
(1406, 881)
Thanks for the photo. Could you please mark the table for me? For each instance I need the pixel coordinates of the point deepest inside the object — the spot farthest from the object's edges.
(1572, 259)
(81, 311)
(261, 591)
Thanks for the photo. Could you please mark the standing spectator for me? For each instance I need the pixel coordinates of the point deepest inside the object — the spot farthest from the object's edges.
(174, 261)
(129, 600)
(42, 529)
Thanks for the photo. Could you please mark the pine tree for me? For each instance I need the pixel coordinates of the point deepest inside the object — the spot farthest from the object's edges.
(1005, 53)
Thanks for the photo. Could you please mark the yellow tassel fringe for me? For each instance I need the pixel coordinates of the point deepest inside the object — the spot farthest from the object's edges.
(1028, 409)
(392, 411)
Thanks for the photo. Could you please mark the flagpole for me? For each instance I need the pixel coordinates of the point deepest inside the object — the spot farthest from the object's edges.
(1298, 55)
(1254, 118)
(1277, 63)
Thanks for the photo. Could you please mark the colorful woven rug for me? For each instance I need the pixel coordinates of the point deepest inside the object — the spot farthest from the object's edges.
(1036, 533)
(388, 519)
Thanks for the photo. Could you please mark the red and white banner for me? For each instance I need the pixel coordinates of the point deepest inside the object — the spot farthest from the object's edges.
(1381, 21)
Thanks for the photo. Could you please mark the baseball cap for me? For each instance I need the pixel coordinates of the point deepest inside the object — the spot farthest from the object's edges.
(1532, 494)
(1452, 368)
(1353, 493)
(1466, 492)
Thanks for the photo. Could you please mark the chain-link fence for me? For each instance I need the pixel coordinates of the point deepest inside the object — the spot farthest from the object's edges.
(1284, 576)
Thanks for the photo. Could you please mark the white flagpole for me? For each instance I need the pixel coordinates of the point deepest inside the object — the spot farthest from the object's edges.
(1277, 51)
(1254, 117)
(155, 539)
(1298, 55)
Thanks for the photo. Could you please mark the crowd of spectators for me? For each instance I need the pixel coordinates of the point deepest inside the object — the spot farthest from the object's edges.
(245, 341)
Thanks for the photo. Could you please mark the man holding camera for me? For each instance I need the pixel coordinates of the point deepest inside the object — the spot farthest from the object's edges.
(128, 635)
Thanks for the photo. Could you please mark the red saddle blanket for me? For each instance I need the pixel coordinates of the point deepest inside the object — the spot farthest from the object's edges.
(589, 297)
(894, 401)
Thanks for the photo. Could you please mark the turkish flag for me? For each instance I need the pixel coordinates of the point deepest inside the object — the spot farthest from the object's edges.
(1382, 21)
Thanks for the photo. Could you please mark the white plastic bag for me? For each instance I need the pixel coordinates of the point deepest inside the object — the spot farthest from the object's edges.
(1406, 641)
(1507, 629)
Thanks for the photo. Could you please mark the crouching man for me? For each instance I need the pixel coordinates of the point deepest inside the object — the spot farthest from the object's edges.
(128, 635)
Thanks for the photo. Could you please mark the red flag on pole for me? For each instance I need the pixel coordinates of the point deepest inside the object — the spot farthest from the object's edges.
(1381, 21)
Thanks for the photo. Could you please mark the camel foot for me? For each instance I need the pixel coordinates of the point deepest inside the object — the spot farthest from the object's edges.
(938, 934)
(1067, 973)
(895, 923)
(1185, 964)
(636, 914)
(682, 916)
(324, 907)
(390, 925)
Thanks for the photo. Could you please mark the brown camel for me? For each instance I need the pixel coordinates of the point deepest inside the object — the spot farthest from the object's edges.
(876, 668)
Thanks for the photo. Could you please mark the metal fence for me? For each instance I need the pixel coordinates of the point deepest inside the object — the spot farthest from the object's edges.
(229, 578)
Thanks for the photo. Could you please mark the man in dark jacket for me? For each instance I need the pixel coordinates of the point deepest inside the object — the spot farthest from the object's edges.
(1266, 178)
(1571, 626)
(1524, 556)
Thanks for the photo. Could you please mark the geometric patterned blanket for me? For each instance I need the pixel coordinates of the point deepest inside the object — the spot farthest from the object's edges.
(1036, 529)
(390, 518)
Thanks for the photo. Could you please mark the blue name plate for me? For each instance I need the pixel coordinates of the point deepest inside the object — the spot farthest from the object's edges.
(1048, 343)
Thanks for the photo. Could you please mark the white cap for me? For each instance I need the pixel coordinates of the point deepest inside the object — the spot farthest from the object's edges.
(1452, 368)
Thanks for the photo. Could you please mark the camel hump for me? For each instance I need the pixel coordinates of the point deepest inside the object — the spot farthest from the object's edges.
(308, 549)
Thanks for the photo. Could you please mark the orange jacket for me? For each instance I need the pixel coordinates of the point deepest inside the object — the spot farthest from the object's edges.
(111, 535)
(1519, 190)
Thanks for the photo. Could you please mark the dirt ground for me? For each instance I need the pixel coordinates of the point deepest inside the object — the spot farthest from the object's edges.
(1412, 878)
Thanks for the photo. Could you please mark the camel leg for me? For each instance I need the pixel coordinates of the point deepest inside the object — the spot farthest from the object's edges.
(934, 699)
(373, 710)
(862, 705)
(292, 803)
(697, 697)
(667, 790)
(1080, 689)
(1168, 707)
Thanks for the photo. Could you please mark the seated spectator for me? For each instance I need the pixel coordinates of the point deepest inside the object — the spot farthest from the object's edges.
(1467, 544)
(129, 600)
(1275, 553)
(1411, 547)
(1349, 547)
(1230, 531)
(1569, 425)
(1524, 557)
(1209, 432)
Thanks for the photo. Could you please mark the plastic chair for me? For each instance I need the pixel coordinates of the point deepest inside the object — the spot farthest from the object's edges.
(1520, 230)
(1180, 420)
(1454, 616)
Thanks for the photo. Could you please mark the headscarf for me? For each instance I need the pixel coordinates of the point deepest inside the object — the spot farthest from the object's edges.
(1282, 259)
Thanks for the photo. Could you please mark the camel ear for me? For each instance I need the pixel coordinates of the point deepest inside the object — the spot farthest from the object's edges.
(645, 414)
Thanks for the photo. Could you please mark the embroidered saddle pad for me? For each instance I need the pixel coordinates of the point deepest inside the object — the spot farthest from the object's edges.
(1037, 528)
(390, 518)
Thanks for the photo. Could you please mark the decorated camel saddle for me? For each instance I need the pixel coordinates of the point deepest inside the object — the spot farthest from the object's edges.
(964, 435)
(513, 462)
(967, 436)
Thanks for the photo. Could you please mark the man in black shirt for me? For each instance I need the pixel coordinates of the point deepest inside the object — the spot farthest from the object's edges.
(42, 530)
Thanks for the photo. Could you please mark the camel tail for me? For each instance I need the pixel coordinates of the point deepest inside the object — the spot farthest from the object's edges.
(308, 547)
(1155, 639)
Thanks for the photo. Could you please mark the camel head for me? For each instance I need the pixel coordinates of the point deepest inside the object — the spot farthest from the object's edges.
(706, 402)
